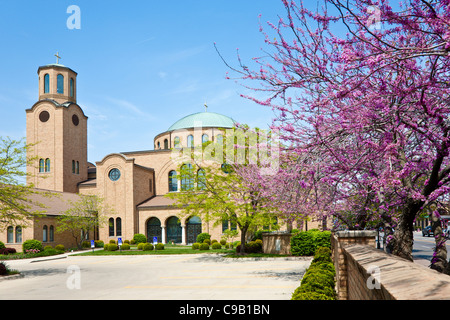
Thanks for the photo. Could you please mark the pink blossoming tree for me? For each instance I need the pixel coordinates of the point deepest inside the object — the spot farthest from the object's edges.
(361, 95)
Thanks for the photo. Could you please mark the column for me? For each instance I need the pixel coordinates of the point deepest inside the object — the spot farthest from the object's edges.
(163, 234)
(183, 235)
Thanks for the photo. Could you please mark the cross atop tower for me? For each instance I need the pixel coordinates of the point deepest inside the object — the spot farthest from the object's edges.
(57, 57)
(206, 107)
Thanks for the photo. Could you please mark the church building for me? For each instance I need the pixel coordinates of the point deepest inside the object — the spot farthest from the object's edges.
(133, 183)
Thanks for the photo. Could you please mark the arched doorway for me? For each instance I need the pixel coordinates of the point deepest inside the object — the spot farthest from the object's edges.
(193, 229)
(154, 229)
(174, 230)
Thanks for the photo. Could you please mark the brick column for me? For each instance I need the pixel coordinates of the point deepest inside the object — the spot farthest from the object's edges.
(338, 240)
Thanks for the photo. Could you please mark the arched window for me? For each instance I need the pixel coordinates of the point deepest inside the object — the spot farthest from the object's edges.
(72, 89)
(219, 138)
(177, 142)
(77, 167)
(201, 179)
(47, 165)
(205, 138)
(52, 234)
(111, 227)
(46, 83)
(18, 234)
(159, 145)
(190, 141)
(173, 181)
(10, 235)
(45, 234)
(73, 166)
(187, 181)
(166, 144)
(60, 84)
(41, 165)
(118, 227)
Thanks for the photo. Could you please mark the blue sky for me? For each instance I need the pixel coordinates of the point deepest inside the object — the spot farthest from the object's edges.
(141, 65)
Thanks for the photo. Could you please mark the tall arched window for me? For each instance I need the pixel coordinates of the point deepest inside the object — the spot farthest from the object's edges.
(10, 235)
(72, 89)
(190, 141)
(60, 84)
(166, 144)
(51, 234)
(46, 83)
(41, 165)
(205, 138)
(18, 234)
(111, 227)
(118, 227)
(201, 179)
(177, 142)
(47, 165)
(187, 181)
(73, 166)
(219, 139)
(77, 167)
(173, 181)
(45, 234)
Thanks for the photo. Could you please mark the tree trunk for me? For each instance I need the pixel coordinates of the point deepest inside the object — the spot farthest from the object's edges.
(403, 240)
(439, 260)
(243, 235)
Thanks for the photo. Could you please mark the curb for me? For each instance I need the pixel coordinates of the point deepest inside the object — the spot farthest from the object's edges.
(11, 277)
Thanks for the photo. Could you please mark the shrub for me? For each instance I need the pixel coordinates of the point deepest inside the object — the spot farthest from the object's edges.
(132, 241)
(160, 246)
(48, 248)
(204, 246)
(99, 244)
(112, 241)
(139, 238)
(86, 244)
(202, 236)
(2, 245)
(140, 246)
(125, 246)
(214, 241)
(60, 247)
(305, 243)
(216, 246)
(3, 269)
(207, 241)
(251, 247)
(111, 247)
(319, 280)
(223, 242)
(32, 245)
(6, 251)
(127, 241)
(148, 246)
(196, 246)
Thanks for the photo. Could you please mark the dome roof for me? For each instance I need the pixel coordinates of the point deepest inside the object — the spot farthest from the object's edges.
(203, 119)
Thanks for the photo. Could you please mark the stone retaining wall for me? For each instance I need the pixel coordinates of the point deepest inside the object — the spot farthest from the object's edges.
(366, 273)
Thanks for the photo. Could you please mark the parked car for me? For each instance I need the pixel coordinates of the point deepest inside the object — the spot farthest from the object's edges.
(427, 231)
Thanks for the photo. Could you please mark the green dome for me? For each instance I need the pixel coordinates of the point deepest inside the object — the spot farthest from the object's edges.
(203, 119)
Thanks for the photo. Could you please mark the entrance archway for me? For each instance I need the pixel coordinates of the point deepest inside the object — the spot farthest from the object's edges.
(174, 230)
(154, 229)
(193, 229)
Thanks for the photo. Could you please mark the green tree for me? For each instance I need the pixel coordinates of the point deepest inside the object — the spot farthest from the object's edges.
(83, 216)
(217, 193)
(16, 204)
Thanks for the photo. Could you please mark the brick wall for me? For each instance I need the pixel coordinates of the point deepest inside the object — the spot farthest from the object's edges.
(366, 273)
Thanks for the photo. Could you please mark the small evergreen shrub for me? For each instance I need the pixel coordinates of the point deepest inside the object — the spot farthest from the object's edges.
(318, 282)
(305, 243)
(2, 245)
(148, 247)
(86, 244)
(32, 245)
(140, 246)
(204, 246)
(207, 241)
(99, 244)
(214, 241)
(125, 246)
(48, 248)
(139, 238)
(196, 246)
(112, 241)
(202, 236)
(60, 247)
(216, 246)
(160, 246)
(112, 247)
(223, 242)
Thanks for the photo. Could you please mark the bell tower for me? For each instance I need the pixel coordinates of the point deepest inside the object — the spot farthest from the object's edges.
(57, 129)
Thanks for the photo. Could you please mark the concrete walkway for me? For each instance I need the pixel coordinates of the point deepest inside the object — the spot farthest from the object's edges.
(155, 277)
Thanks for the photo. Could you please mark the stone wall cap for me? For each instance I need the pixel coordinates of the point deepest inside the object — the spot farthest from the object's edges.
(355, 233)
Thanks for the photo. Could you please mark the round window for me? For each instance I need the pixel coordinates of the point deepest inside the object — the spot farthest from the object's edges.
(114, 174)
(44, 116)
(75, 120)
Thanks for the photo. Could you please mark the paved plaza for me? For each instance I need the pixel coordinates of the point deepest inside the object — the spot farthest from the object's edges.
(155, 277)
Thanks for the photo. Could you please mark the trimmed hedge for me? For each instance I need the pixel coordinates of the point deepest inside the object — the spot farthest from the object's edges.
(203, 236)
(318, 283)
(32, 245)
(139, 238)
(305, 243)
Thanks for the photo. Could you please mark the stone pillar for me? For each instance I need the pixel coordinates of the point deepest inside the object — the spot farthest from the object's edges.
(338, 240)
(183, 235)
(163, 234)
